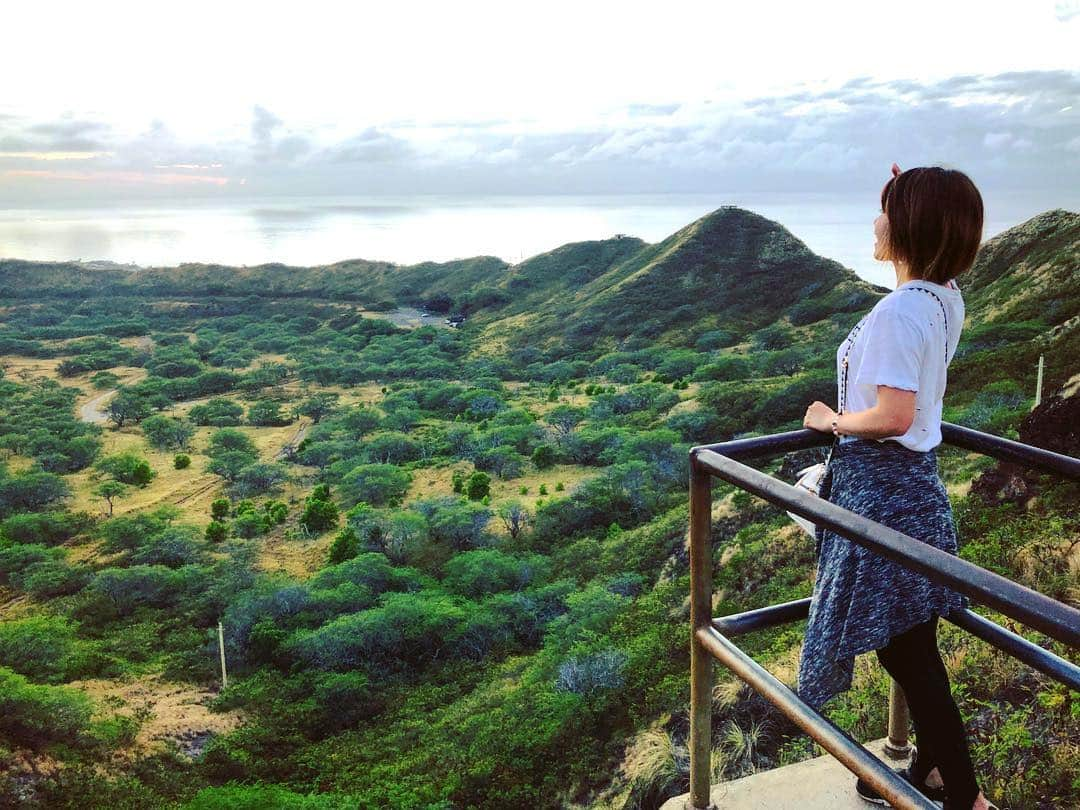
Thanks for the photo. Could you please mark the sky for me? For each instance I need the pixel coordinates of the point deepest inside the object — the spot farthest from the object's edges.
(218, 99)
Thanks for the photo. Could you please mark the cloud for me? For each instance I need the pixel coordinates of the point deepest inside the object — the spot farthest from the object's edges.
(1012, 129)
(267, 146)
(370, 146)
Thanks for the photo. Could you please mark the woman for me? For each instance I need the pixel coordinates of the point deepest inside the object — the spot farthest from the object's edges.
(891, 373)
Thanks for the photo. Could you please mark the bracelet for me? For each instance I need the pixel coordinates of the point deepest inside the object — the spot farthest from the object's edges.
(835, 428)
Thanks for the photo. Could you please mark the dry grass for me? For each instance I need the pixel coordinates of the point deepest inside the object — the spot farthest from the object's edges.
(192, 488)
(171, 712)
(300, 559)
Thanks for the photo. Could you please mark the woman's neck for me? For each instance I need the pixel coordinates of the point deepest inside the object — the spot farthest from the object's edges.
(902, 274)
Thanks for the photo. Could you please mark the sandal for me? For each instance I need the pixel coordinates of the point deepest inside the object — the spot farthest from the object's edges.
(868, 794)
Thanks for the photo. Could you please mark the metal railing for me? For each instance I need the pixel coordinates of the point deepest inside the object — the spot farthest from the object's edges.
(710, 637)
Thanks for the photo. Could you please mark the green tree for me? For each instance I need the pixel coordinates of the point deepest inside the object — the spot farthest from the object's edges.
(230, 439)
(110, 490)
(318, 405)
(167, 432)
(125, 407)
(376, 484)
(218, 412)
(267, 412)
(127, 468)
(514, 515)
(457, 481)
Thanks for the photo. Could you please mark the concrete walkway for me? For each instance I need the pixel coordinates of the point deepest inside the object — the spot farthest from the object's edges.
(814, 784)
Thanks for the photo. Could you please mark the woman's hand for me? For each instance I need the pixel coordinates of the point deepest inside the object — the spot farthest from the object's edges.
(819, 416)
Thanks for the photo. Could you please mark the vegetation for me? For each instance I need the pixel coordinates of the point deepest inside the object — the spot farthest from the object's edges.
(449, 564)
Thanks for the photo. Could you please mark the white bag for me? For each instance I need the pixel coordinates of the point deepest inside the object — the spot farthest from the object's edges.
(810, 480)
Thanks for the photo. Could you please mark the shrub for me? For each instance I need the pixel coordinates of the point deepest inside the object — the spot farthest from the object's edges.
(219, 508)
(128, 468)
(167, 432)
(217, 531)
(181, 461)
(478, 486)
(39, 647)
(485, 571)
(218, 412)
(346, 545)
(267, 413)
(276, 511)
(319, 516)
(543, 457)
(258, 478)
(50, 528)
(375, 484)
(35, 716)
(230, 439)
(173, 547)
(592, 672)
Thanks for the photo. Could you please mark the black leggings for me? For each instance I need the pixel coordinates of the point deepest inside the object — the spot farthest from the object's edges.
(913, 660)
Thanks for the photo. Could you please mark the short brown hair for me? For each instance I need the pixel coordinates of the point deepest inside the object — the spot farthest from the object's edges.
(935, 221)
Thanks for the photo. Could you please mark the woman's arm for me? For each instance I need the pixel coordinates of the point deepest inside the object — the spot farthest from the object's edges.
(891, 416)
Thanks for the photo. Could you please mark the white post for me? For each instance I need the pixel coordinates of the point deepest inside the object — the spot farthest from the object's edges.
(221, 647)
(1038, 383)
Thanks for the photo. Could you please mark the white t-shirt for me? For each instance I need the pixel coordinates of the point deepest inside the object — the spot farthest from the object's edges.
(902, 343)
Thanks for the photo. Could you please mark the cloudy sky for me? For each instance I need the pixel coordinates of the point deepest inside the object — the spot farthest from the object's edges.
(231, 98)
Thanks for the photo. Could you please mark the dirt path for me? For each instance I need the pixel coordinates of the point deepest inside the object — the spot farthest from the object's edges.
(290, 446)
(92, 410)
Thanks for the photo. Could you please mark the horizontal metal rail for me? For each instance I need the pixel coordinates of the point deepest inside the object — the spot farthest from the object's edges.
(957, 435)
(1004, 639)
(1047, 615)
(896, 790)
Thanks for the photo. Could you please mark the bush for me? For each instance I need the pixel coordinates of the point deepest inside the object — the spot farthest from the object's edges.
(478, 486)
(39, 647)
(485, 571)
(218, 412)
(543, 457)
(50, 528)
(319, 516)
(258, 478)
(217, 531)
(34, 716)
(127, 468)
(30, 492)
(996, 408)
(167, 432)
(181, 461)
(230, 439)
(590, 673)
(267, 413)
(219, 508)
(346, 545)
(376, 484)
(250, 524)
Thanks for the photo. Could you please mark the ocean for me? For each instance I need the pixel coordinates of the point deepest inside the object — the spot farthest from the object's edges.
(321, 230)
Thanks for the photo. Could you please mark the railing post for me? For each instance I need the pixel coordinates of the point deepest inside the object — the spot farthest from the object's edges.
(897, 746)
(701, 681)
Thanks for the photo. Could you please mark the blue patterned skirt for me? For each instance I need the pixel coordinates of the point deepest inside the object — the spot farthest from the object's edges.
(861, 599)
